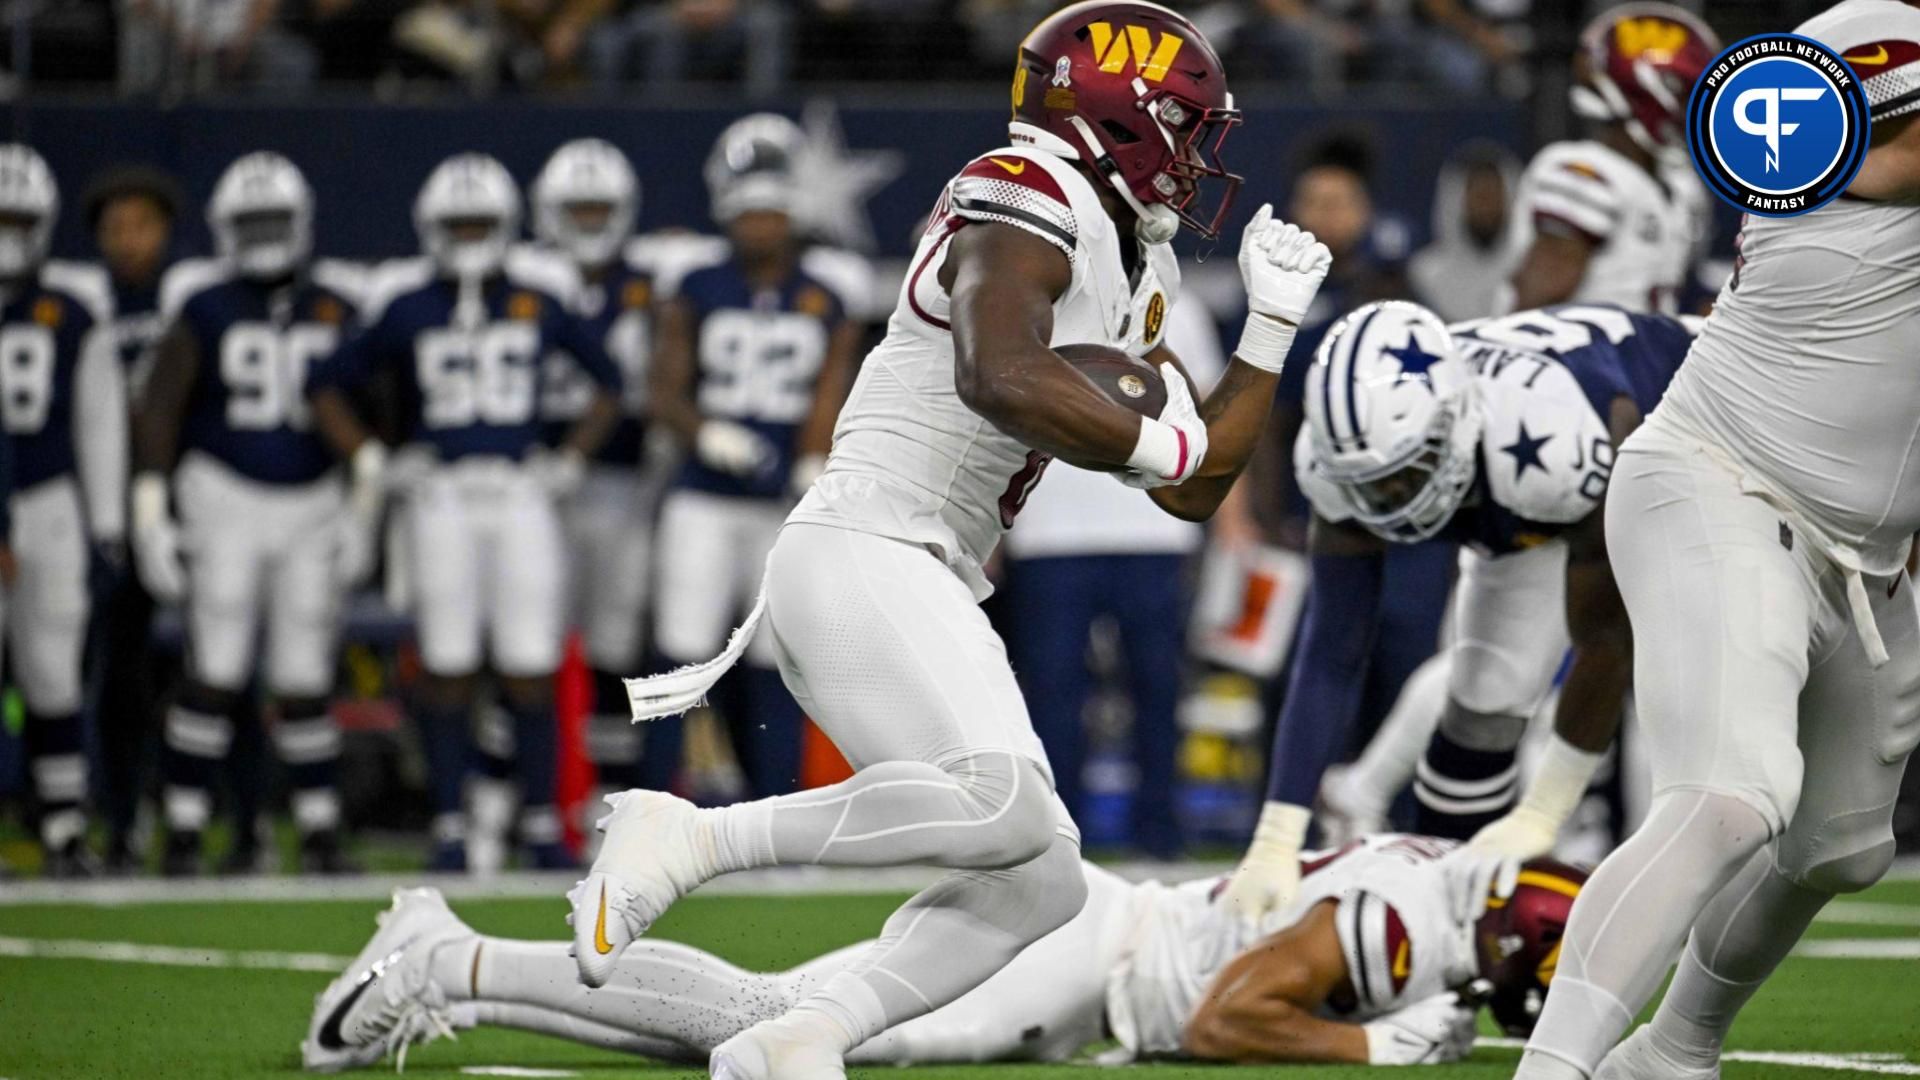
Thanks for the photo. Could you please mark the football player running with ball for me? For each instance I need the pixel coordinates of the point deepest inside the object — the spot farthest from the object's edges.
(872, 587)
(1760, 522)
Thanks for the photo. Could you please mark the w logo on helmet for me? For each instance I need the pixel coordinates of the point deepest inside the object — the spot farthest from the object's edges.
(1136, 44)
(1637, 37)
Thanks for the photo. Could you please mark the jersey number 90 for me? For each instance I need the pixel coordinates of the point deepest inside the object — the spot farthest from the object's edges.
(264, 368)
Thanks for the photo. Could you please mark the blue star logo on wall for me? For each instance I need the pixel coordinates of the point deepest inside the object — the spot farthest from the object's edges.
(1525, 451)
(1414, 362)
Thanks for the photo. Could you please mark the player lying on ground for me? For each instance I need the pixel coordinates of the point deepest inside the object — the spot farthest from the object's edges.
(1362, 967)
(1498, 434)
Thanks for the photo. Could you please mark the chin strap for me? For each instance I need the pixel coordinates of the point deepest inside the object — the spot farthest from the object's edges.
(1155, 224)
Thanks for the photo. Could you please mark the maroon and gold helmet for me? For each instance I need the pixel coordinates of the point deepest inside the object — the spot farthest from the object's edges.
(1636, 64)
(1134, 91)
(1518, 941)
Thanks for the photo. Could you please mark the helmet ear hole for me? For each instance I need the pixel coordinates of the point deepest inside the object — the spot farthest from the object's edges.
(1119, 134)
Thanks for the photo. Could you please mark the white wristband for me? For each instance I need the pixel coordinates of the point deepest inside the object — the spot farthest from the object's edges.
(1265, 342)
(1282, 827)
(1160, 450)
(149, 499)
(1560, 780)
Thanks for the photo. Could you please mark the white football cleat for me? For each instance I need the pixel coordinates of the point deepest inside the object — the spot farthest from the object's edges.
(774, 1050)
(385, 991)
(1347, 812)
(1641, 1057)
(651, 855)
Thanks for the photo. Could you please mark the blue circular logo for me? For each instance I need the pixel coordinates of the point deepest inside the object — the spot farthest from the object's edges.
(1777, 125)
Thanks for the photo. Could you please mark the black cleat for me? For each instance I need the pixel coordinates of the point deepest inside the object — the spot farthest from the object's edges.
(322, 853)
(70, 861)
(181, 857)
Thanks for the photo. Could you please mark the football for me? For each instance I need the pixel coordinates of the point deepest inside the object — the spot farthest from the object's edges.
(1126, 379)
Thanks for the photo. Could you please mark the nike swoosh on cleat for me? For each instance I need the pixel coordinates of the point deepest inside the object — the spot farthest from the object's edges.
(330, 1031)
(600, 943)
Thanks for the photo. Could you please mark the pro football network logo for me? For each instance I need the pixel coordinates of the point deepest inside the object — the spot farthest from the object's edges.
(1778, 125)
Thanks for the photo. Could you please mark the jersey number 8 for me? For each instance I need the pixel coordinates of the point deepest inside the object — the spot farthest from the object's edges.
(26, 377)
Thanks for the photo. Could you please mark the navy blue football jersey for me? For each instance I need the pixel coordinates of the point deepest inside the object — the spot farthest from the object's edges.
(257, 342)
(46, 328)
(1547, 452)
(617, 311)
(467, 387)
(137, 323)
(757, 362)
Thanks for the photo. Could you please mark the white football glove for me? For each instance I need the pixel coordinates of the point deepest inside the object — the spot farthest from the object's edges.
(1530, 829)
(559, 472)
(1282, 267)
(805, 472)
(157, 545)
(1471, 875)
(353, 545)
(1170, 447)
(1269, 874)
(732, 448)
(1429, 1032)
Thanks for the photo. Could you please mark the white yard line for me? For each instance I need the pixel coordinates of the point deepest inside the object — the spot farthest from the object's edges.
(127, 952)
(1881, 1063)
(774, 881)
(1860, 949)
(1865, 913)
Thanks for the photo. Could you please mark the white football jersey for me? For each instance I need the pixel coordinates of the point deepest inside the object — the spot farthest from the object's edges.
(1400, 943)
(910, 460)
(1804, 372)
(1645, 231)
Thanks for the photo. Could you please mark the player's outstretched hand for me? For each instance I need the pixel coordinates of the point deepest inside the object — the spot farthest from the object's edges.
(1438, 1029)
(559, 472)
(1184, 438)
(1523, 834)
(1269, 874)
(1473, 875)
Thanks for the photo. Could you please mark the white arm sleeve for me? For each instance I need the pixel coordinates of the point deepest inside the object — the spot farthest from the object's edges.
(100, 426)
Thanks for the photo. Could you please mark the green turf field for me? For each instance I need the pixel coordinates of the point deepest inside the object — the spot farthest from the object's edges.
(78, 1019)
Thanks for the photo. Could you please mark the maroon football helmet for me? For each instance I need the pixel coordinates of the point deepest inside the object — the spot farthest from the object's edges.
(1637, 63)
(1518, 941)
(1136, 92)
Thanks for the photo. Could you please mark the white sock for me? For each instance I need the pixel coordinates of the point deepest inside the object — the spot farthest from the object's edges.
(976, 812)
(1630, 920)
(944, 942)
(544, 1021)
(1386, 767)
(661, 992)
(1736, 943)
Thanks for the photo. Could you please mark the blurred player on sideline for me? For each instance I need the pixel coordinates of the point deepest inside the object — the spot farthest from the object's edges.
(131, 213)
(1760, 522)
(1617, 218)
(63, 413)
(1363, 967)
(585, 201)
(754, 358)
(263, 548)
(458, 338)
(872, 588)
